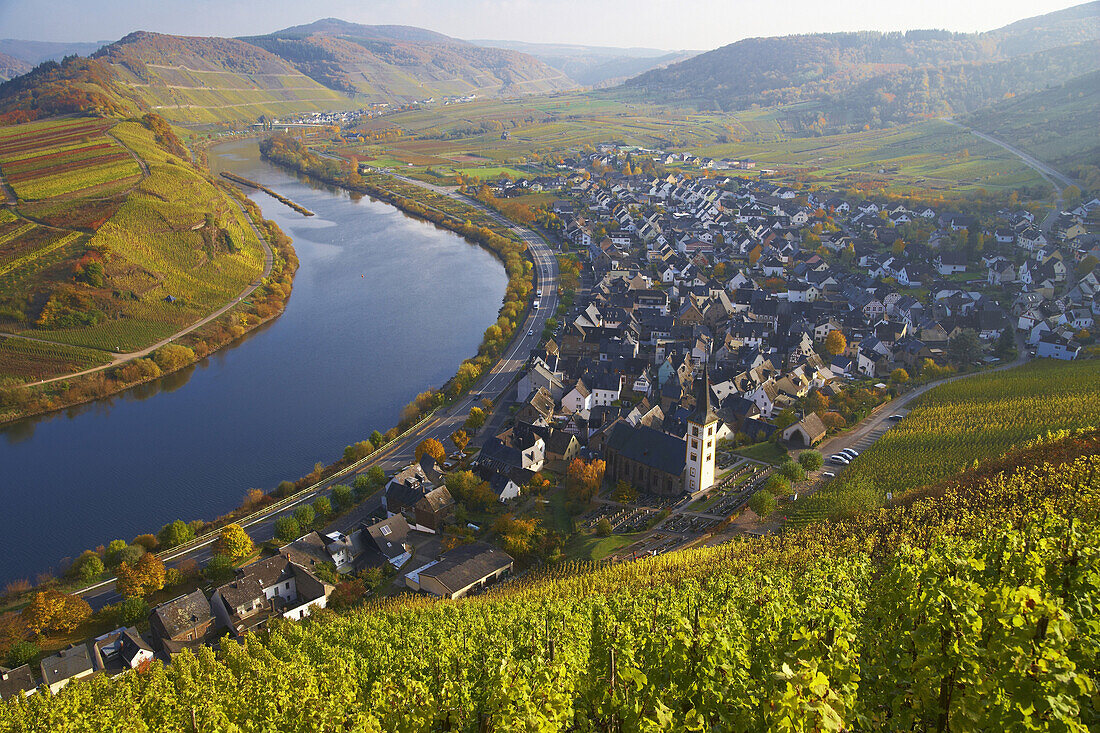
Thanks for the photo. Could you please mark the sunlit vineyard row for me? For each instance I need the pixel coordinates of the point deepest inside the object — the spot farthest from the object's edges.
(31, 360)
(833, 627)
(956, 424)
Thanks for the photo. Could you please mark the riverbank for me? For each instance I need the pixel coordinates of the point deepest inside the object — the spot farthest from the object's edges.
(267, 300)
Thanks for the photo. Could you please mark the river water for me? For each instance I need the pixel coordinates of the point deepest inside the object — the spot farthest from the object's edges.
(384, 306)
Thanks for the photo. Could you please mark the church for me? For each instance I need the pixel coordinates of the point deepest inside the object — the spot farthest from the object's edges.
(655, 462)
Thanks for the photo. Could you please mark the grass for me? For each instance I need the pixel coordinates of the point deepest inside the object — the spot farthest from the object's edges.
(767, 452)
(589, 546)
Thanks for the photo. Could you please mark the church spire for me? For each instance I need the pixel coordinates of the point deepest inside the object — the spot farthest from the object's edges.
(704, 412)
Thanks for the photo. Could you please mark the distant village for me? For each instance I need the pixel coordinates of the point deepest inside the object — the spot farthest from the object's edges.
(703, 316)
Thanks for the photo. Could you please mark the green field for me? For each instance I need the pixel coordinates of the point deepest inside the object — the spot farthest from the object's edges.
(956, 425)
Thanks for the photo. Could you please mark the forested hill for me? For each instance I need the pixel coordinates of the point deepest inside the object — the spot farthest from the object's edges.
(872, 77)
(403, 63)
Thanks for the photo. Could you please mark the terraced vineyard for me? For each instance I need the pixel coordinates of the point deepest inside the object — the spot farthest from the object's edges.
(28, 360)
(58, 157)
(959, 424)
(835, 627)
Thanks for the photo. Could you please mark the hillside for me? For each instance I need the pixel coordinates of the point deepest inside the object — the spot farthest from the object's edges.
(594, 66)
(971, 609)
(1049, 125)
(11, 66)
(877, 78)
(203, 80)
(402, 64)
(33, 53)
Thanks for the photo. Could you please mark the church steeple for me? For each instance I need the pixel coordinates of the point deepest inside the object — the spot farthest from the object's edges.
(699, 443)
(704, 412)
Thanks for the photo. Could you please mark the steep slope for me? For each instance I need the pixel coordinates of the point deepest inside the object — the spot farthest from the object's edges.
(594, 66)
(189, 79)
(848, 74)
(401, 63)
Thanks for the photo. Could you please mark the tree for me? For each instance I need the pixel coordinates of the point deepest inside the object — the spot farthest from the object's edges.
(141, 579)
(219, 570)
(431, 447)
(811, 460)
(785, 418)
(460, 439)
(287, 529)
(624, 492)
(582, 480)
(127, 613)
(53, 611)
(461, 484)
(87, 567)
(792, 470)
(1005, 346)
(234, 543)
(763, 503)
(603, 527)
(22, 652)
(964, 347)
(899, 376)
(778, 485)
(516, 535)
(476, 418)
(175, 534)
(377, 438)
(343, 496)
(366, 483)
(304, 515)
(322, 506)
(835, 343)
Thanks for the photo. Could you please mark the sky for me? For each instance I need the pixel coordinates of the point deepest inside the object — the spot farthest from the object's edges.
(663, 24)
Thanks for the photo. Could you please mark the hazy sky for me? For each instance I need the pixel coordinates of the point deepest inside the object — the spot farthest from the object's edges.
(670, 24)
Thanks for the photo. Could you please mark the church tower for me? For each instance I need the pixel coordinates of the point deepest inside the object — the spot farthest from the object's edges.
(700, 441)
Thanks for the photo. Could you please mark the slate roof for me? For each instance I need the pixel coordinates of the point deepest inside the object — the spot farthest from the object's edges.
(184, 613)
(66, 664)
(389, 535)
(648, 446)
(465, 565)
(15, 681)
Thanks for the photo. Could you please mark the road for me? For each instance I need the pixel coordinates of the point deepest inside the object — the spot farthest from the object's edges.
(1051, 176)
(400, 452)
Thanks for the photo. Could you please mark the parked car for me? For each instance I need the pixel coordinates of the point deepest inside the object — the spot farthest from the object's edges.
(895, 418)
(841, 459)
(850, 453)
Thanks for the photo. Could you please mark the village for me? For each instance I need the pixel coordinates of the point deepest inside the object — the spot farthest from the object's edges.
(713, 329)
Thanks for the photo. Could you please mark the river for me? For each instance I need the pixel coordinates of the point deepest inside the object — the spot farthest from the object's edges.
(384, 306)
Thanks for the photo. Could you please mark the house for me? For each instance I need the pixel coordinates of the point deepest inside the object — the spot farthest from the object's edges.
(1053, 346)
(806, 432)
(389, 538)
(418, 493)
(513, 449)
(18, 681)
(275, 586)
(180, 623)
(461, 570)
(68, 664)
(951, 263)
(120, 650)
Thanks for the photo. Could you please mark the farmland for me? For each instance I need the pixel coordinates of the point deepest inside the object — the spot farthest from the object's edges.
(151, 253)
(927, 156)
(958, 424)
(27, 360)
(55, 158)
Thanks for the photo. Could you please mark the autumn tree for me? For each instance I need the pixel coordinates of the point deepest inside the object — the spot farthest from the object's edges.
(460, 439)
(516, 535)
(234, 542)
(53, 611)
(174, 534)
(87, 567)
(431, 447)
(476, 418)
(899, 376)
(141, 579)
(583, 480)
(835, 343)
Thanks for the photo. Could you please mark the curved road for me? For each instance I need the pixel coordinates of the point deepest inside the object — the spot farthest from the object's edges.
(399, 453)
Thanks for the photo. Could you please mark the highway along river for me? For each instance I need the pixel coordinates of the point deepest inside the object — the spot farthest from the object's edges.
(384, 306)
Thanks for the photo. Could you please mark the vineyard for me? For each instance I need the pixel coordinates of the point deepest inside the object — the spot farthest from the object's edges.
(31, 360)
(959, 423)
(972, 610)
(47, 159)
